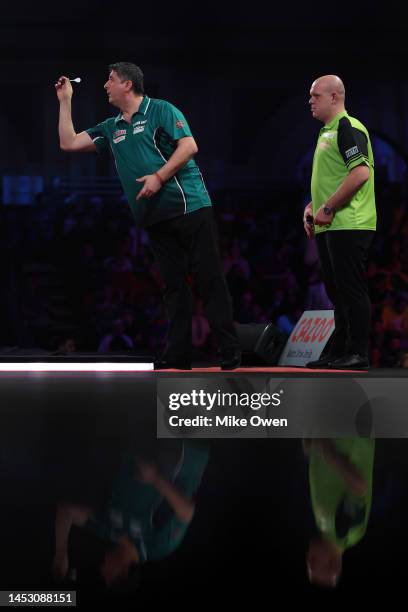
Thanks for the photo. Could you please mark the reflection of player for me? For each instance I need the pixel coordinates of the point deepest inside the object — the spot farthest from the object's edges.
(340, 480)
(146, 518)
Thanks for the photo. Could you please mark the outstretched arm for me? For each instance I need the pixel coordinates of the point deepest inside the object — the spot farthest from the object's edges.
(69, 139)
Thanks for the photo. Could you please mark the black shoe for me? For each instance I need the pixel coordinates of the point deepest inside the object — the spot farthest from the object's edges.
(323, 362)
(172, 364)
(230, 359)
(351, 361)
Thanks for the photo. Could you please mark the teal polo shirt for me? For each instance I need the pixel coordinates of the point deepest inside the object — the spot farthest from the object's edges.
(133, 506)
(142, 147)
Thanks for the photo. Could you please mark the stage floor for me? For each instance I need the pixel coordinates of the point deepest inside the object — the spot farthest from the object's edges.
(15, 359)
(94, 363)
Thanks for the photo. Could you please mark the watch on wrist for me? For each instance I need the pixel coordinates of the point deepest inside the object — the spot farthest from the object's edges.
(328, 210)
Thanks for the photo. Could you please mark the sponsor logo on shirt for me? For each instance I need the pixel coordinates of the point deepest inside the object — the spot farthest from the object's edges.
(329, 135)
(139, 126)
(352, 151)
(179, 124)
(119, 138)
(119, 133)
(324, 145)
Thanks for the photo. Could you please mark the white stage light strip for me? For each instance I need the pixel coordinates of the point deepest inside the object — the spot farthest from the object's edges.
(76, 367)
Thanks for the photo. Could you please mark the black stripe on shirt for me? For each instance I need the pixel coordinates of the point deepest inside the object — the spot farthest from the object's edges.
(352, 143)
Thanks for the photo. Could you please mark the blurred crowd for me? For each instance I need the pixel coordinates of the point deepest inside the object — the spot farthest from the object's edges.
(77, 275)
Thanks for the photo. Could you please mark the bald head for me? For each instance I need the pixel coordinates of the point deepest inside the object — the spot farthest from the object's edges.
(332, 84)
(327, 97)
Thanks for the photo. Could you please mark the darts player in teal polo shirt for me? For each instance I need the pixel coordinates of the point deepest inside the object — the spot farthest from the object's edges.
(153, 149)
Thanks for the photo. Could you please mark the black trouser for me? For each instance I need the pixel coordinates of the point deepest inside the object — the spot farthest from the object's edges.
(343, 256)
(185, 245)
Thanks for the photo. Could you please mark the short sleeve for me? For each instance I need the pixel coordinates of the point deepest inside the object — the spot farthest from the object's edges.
(173, 122)
(167, 538)
(99, 136)
(353, 145)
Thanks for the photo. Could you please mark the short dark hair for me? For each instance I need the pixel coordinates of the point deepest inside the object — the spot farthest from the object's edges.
(129, 72)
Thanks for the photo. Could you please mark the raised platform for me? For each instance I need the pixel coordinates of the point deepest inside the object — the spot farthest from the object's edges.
(14, 359)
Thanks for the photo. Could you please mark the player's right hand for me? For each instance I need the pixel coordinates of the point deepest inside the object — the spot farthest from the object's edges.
(64, 88)
(308, 221)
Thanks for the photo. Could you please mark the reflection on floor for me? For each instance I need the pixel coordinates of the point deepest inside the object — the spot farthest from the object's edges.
(93, 502)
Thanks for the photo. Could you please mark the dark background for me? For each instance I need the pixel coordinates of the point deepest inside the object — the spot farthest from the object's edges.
(242, 75)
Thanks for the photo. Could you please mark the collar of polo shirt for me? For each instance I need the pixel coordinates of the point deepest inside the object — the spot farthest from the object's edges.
(142, 109)
(335, 120)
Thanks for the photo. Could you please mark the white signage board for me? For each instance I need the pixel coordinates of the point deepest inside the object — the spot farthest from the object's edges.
(309, 338)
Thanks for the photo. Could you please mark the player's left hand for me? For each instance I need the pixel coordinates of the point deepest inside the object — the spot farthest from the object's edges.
(151, 186)
(321, 218)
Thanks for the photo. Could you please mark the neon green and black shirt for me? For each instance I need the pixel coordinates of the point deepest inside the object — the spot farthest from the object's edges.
(341, 516)
(342, 145)
(142, 147)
